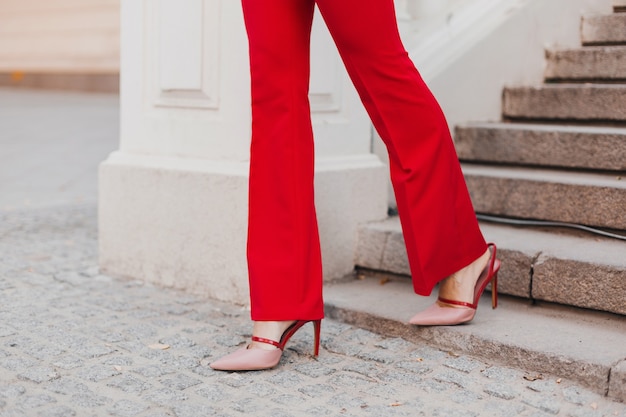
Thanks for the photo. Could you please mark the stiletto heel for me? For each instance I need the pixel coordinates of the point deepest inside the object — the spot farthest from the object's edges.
(317, 328)
(251, 359)
(437, 315)
(494, 291)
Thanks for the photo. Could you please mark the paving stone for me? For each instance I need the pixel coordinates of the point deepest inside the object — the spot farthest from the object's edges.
(416, 366)
(288, 399)
(317, 390)
(319, 411)
(381, 356)
(504, 409)
(351, 380)
(387, 391)
(39, 374)
(178, 341)
(89, 350)
(396, 344)
(67, 386)
(35, 401)
(465, 397)
(17, 364)
(204, 371)
(260, 388)
(432, 385)
(577, 395)
(285, 379)
(460, 380)
(43, 352)
(500, 390)
(246, 406)
(166, 396)
(366, 369)
(235, 380)
(463, 364)
(68, 362)
(128, 383)
(402, 377)
(187, 410)
(314, 369)
(541, 385)
(447, 412)
(126, 408)
(98, 373)
(345, 400)
(11, 391)
(215, 393)
(341, 348)
(90, 400)
(153, 371)
(544, 404)
(121, 361)
(7, 331)
(502, 374)
(180, 382)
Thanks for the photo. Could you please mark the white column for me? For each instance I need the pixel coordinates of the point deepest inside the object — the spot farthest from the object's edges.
(173, 198)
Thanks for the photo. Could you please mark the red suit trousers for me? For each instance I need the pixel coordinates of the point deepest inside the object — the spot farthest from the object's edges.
(438, 221)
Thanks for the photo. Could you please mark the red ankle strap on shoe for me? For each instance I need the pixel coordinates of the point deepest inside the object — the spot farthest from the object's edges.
(457, 303)
(268, 341)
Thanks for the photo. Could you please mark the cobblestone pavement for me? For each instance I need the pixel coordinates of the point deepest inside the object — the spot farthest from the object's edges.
(74, 342)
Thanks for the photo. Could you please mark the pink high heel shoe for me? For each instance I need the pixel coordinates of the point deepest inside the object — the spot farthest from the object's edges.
(437, 315)
(251, 359)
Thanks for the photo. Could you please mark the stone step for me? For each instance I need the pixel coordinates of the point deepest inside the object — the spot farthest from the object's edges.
(546, 340)
(576, 269)
(588, 63)
(592, 199)
(619, 6)
(604, 30)
(580, 102)
(589, 147)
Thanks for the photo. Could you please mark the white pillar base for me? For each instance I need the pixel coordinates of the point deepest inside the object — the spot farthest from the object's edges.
(181, 223)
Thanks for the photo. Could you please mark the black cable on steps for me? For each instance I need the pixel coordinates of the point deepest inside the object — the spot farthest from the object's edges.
(541, 223)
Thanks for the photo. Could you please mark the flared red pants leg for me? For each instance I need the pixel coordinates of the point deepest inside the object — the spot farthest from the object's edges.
(438, 221)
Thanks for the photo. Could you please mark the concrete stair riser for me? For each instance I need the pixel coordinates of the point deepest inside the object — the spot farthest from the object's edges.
(590, 63)
(588, 199)
(543, 145)
(580, 102)
(586, 285)
(604, 30)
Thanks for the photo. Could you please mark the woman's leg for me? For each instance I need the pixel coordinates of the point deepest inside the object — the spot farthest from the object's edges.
(284, 258)
(438, 221)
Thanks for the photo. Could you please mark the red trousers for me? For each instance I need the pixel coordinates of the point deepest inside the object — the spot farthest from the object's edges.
(438, 221)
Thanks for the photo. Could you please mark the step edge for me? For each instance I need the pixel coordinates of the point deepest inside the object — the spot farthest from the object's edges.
(509, 354)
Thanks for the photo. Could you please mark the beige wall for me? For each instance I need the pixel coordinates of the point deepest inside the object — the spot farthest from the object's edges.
(75, 39)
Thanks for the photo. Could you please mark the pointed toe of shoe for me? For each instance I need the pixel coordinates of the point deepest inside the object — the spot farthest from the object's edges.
(248, 360)
(436, 315)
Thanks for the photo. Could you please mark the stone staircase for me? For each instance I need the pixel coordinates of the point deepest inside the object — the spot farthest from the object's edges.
(558, 155)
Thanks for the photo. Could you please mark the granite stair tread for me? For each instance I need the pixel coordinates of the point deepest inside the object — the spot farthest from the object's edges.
(589, 63)
(584, 147)
(588, 198)
(571, 102)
